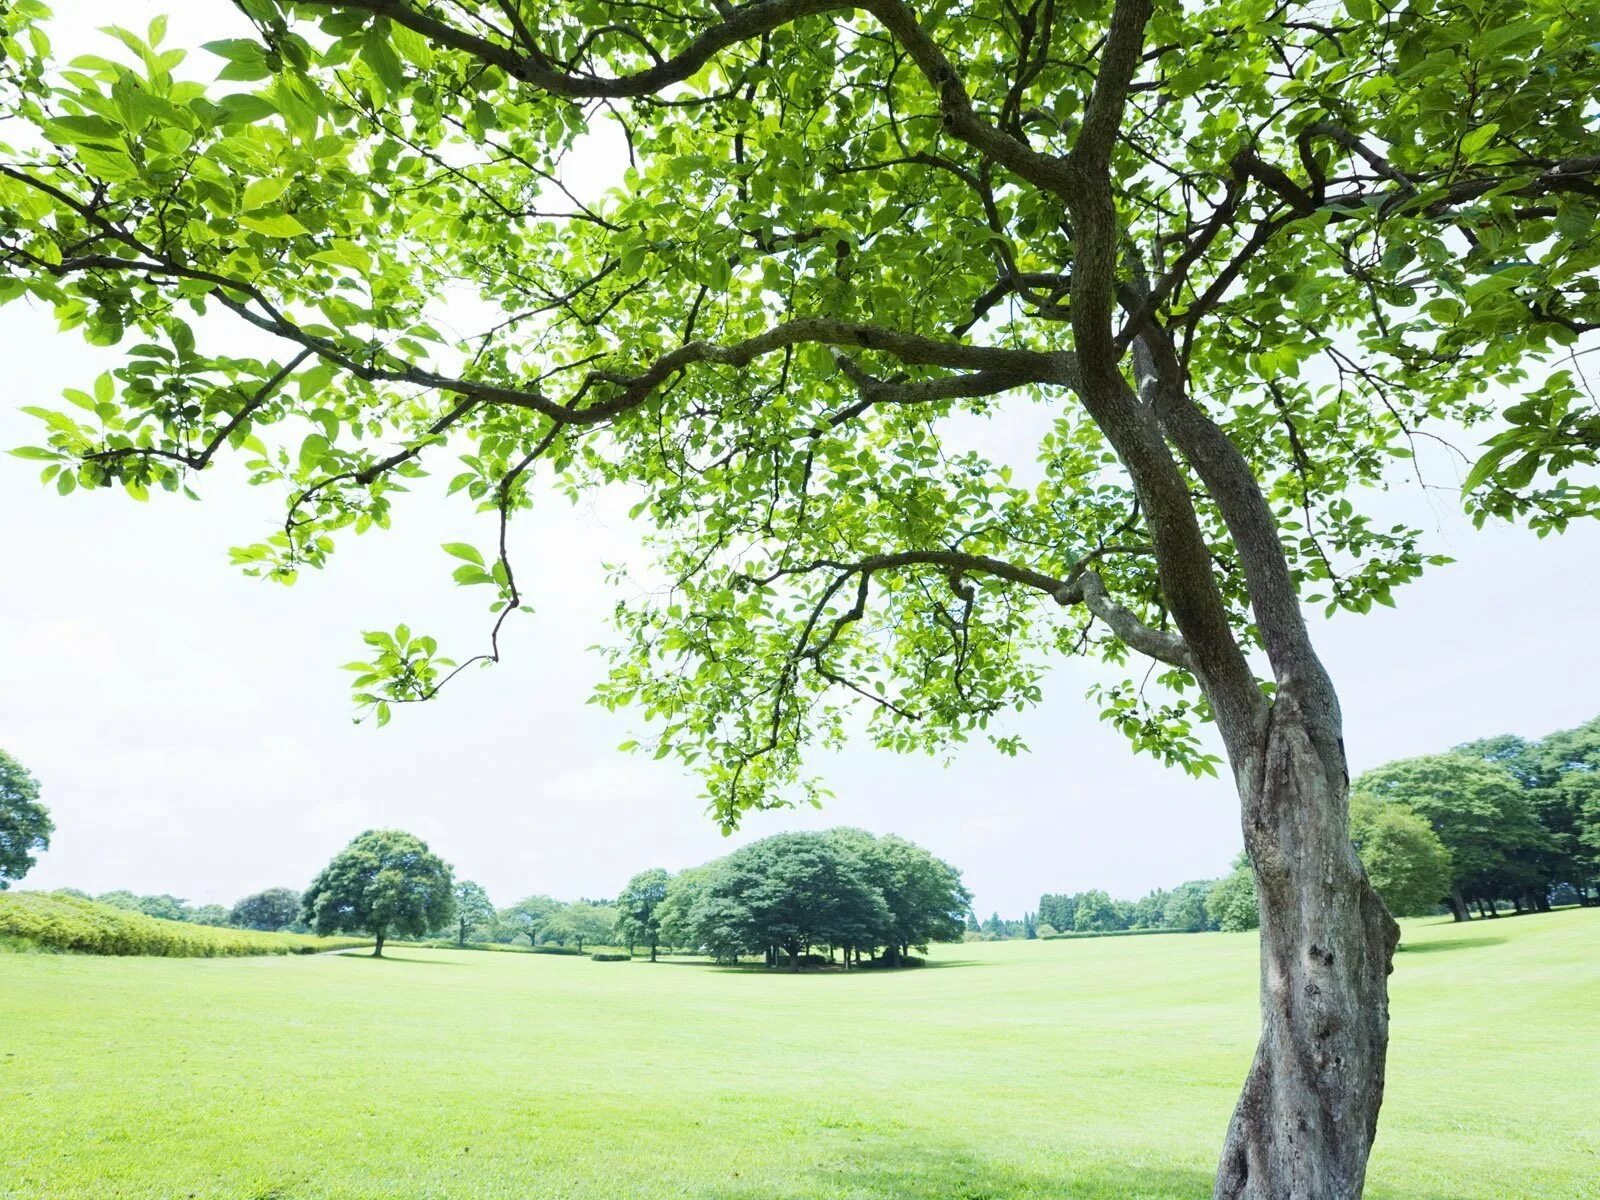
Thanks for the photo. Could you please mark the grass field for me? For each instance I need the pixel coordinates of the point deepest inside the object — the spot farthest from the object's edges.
(1070, 1069)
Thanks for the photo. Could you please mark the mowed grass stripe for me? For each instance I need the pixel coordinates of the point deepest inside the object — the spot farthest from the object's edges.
(1087, 1069)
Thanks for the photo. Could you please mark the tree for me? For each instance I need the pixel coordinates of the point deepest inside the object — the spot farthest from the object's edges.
(1094, 912)
(1185, 908)
(638, 909)
(1480, 814)
(208, 914)
(163, 907)
(273, 909)
(529, 916)
(1231, 903)
(1403, 857)
(925, 897)
(1363, 224)
(580, 923)
(385, 883)
(1561, 775)
(473, 909)
(25, 824)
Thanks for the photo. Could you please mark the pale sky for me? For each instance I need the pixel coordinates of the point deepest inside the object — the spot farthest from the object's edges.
(192, 733)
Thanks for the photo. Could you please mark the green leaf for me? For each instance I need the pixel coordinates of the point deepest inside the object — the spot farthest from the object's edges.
(462, 550)
(279, 225)
(263, 192)
(1478, 139)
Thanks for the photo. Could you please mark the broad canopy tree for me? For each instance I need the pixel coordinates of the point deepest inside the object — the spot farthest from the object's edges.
(271, 910)
(25, 825)
(386, 883)
(1218, 264)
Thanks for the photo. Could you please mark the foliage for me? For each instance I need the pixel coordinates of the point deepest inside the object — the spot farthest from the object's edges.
(528, 917)
(1480, 813)
(384, 882)
(1561, 773)
(1232, 902)
(1339, 263)
(580, 922)
(638, 909)
(275, 908)
(607, 956)
(25, 825)
(474, 911)
(60, 922)
(1403, 857)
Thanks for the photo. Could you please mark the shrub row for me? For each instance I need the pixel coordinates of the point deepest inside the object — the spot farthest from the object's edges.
(51, 921)
(612, 957)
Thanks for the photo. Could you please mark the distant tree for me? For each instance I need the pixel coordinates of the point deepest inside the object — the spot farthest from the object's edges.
(1231, 903)
(25, 825)
(1094, 912)
(1150, 910)
(473, 909)
(994, 927)
(581, 923)
(972, 922)
(528, 916)
(385, 882)
(207, 914)
(1561, 776)
(926, 900)
(676, 913)
(1030, 925)
(788, 893)
(1047, 931)
(638, 909)
(1405, 860)
(273, 909)
(1480, 812)
(1185, 908)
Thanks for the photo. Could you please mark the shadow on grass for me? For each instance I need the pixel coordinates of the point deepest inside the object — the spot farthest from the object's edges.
(756, 968)
(1466, 943)
(929, 1174)
(368, 956)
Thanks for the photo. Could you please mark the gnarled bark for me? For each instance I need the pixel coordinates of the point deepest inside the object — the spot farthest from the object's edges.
(1305, 1123)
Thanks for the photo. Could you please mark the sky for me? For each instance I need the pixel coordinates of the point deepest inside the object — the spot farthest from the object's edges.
(192, 732)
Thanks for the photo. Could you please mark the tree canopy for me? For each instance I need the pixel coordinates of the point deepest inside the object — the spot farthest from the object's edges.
(1480, 813)
(275, 908)
(790, 893)
(386, 883)
(25, 825)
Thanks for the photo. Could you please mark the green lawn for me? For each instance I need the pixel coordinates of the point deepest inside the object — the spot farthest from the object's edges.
(1103, 1068)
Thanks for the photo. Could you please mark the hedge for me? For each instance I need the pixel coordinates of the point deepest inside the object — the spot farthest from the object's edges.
(612, 957)
(52, 921)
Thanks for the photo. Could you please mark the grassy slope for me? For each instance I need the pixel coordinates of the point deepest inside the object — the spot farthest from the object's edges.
(1078, 1069)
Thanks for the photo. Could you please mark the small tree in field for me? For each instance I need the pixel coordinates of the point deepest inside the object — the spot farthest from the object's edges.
(1215, 263)
(638, 909)
(25, 825)
(473, 909)
(529, 917)
(386, 883)
(272, 909)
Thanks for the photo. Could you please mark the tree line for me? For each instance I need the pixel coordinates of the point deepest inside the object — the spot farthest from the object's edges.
(1501, 822)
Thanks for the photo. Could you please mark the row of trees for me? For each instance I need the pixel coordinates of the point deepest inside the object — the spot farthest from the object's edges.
(1502, 821)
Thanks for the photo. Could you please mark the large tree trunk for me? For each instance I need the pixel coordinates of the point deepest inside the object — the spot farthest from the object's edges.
(1305, 1122)
(377, 950)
